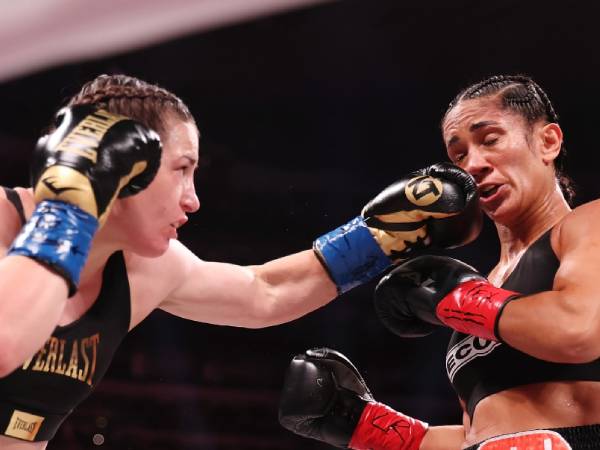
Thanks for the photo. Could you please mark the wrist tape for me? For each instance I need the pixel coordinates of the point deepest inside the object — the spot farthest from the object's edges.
(59, 235)
(351, 255)
(382, 428)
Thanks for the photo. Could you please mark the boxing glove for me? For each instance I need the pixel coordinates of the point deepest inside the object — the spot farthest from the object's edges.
(434, 207)
(429, 291)
(77, 172)
(325, 398)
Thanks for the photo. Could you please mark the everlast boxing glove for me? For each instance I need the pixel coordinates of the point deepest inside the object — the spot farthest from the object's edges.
(325, 398)
(77, 172)
(428, 291)
(433, 207)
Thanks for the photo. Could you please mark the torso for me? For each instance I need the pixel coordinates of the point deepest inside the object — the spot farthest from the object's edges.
(37, 396)
(146, 293)
(544, 405)
(540, 404)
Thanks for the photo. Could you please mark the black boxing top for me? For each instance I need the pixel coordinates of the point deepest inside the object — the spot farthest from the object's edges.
(479, 367)
(38, 396)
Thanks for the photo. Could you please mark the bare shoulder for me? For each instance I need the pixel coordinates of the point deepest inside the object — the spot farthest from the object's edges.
(578, 228)
(151, 280)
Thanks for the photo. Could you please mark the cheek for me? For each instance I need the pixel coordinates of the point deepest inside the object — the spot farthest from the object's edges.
(158, 191)
(513, 160)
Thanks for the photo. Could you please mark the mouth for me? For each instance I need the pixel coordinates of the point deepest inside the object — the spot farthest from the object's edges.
(488, 191)
(179, 223)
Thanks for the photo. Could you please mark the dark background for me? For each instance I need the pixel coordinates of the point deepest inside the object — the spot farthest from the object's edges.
(304, 116)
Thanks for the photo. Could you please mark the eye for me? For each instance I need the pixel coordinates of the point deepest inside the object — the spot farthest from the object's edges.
(490, 140)
(183, 169)
(458, 157)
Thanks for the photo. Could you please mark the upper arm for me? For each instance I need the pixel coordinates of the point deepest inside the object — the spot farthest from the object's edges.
(563, 324)
(184, 285)
(210, 292)
(578, 249)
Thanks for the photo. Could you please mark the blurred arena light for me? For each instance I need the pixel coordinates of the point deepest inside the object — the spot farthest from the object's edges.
(42, 33)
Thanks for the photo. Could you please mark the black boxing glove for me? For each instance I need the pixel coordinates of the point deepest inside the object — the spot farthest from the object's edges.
(429, 291)
(77, 172)
(325, 398)
(434, 207)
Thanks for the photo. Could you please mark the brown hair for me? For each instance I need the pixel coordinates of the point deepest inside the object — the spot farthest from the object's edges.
(147, 103)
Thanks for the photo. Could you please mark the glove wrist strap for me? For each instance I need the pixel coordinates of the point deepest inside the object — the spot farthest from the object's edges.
(59, 235)
(382, 428)
(474, 308)
(351, 255)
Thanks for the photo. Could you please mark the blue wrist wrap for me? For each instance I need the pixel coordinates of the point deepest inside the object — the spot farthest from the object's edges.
(58, 234)
(351, 255)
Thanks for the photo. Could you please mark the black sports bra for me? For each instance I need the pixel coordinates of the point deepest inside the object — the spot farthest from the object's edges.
(478, 368)
(14, 198)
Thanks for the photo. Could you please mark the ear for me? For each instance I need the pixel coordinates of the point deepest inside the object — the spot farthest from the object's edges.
(551, 139)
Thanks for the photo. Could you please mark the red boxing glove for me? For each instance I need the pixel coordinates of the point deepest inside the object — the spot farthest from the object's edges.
(473, 308)
(437, 290)
(382, 428)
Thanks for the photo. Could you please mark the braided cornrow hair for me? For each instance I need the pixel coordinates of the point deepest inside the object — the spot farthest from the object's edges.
(122, 94)
(522, 95)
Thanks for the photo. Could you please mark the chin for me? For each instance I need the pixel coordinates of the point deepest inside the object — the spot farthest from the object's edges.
(502, 215)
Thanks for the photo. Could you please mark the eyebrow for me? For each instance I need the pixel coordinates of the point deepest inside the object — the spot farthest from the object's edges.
(474, 127)
(483, 123)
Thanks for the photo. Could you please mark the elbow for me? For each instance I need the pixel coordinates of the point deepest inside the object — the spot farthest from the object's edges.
(269, 310)
(265, 307)
(579, 343)
(261, 316)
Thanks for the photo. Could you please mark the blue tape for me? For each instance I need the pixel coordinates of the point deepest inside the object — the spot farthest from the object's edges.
(351, 255)
(60, 235)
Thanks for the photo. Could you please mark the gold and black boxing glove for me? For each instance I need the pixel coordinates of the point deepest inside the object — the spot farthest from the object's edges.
(435, 207)
(78, 170)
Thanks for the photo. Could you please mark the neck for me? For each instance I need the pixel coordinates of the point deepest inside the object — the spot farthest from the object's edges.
(519, 235)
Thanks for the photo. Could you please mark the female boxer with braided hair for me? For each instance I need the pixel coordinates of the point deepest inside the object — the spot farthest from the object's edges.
(100, 173)
(525, 354)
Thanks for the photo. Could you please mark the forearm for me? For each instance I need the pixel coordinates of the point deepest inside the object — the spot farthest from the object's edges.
(33, 298)
(552, 326)
(447, 437)
(559, 325)
(292, 286)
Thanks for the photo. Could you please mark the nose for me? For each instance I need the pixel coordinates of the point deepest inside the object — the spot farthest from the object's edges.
(476, 164)
(189, 200)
